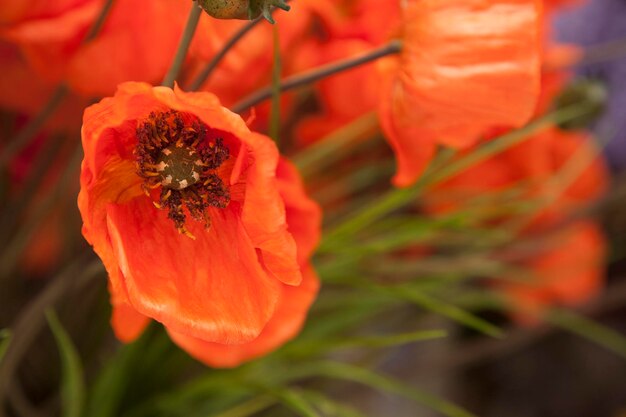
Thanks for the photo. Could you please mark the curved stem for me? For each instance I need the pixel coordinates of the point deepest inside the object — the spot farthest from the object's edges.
(319, 73)
(211, 65)
(96, 27)
(183, 46)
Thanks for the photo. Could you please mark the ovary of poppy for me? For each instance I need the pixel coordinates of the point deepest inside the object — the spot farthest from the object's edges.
(248, 65)
(216, 273)
(465, 66)
(568, 271)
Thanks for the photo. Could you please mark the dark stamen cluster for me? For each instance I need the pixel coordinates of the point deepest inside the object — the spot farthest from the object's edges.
(175, 153)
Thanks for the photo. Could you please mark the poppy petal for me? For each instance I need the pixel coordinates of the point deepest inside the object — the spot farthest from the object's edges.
(285, 324)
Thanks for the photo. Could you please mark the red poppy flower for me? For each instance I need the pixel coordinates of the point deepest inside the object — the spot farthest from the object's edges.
(190, 216)
(465, 66)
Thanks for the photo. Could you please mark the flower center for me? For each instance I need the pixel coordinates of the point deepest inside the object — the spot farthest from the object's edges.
(178, 168)
(175, 153)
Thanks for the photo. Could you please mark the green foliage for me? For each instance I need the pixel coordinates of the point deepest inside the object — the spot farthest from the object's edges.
(72, 382)
(590, 330)
(5, 339)
(378, 381)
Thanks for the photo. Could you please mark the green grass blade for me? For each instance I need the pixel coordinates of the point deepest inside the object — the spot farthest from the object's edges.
(372, 342)
(589, 329)
(448, 310)
(377, 381)
(249, 407)
(72, 383)
(329, 407)
(293, 400)
(5, 339)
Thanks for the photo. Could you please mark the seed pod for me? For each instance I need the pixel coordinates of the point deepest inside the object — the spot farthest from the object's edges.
(242, 9)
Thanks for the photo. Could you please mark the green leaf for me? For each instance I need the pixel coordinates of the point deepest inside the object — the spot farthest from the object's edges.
(294, 400)
(377, 381)
(336, 145)
(131, 373)
(329, 407)
(448, 310)
(5, 339)
(72, 383)
(249, 407)
(589, 329)
(370, 342)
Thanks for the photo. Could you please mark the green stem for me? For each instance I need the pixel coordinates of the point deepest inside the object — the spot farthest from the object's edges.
(332, 147)
(183, 46)
(316, 74)
(97, 25)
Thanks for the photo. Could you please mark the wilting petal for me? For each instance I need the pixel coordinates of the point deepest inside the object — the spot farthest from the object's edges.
(465, 66)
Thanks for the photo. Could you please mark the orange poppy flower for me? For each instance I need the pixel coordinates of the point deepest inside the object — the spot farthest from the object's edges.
(133, 44)
(568, 272)
(465, 66)
(193, 221)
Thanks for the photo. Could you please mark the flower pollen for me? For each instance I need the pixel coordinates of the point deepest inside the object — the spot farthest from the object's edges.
(176, 154)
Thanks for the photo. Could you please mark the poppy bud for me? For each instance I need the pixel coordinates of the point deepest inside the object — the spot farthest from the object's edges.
(242, 9)
(588, 95)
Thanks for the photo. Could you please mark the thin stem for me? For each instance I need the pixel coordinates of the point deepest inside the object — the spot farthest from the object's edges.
(602, 52)
(24, 137)
(99, 22)
(316, 74)
(183, 46)
(217, 58)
